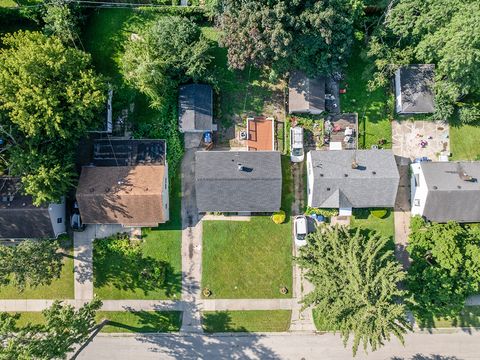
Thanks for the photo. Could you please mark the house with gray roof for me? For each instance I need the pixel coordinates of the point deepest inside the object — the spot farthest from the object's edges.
(238, 181)
(20, 219)
(195, 108)
(444, 191)
(414, 89)
(306, 95)
(346, 179)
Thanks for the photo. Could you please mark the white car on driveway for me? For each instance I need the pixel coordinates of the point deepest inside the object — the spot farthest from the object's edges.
(300, 232)
(296, 144)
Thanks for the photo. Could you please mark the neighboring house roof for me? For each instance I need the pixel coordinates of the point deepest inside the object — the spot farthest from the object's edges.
(306, 95)
(237, 181)
(261, 134)
(414, 88)
(127, 195)
(116, 152)
(195, 108)
(451, 195)
(19, 218)
(336, 184)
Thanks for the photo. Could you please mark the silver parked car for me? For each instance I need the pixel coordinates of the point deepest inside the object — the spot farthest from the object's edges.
(296, 144)
(300, 232)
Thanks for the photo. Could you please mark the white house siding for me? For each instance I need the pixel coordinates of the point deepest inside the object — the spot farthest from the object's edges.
(419, 190)
(165, 193)
(398, 92)
(309, 179)
(58, 216)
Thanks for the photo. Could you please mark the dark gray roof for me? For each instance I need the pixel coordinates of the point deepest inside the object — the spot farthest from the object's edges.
(449, 196)
(119, 152)
(416, 89)
(221, 186)
(336, 185)
(19, 218)
(195, 107)
(306, 95)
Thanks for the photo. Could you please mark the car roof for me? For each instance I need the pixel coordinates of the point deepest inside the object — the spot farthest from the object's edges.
(301, 222)
(297, 135)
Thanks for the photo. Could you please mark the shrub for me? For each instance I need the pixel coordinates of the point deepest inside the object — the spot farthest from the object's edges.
(379, 213)
(328, 213)
(279, 217)
(470, 114)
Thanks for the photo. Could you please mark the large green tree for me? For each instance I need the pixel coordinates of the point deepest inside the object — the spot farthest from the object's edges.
(167, 52)
(50, 96)
(443, 32)
(314, 36)
(445, 268)
(64, 327)
(30, 263)
(356, 281)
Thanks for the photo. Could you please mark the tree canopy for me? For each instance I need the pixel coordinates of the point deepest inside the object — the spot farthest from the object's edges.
(356, 285)
(30, 263)
(313, 36)
(443, 32)
(167, 52)
(445, 268)
(50, 96)
(64, 327)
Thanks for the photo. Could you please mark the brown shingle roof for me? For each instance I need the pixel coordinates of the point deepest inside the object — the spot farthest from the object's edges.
(127, 195)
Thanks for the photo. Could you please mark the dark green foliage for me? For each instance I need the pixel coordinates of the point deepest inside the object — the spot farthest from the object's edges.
(356, 285)
(30, 263)
(379, 213)
(314, 36)
(64, 328)
(445, 268)
(61, 20)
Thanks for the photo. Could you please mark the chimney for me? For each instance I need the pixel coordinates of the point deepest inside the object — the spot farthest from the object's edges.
(354, 165)
(240, 167)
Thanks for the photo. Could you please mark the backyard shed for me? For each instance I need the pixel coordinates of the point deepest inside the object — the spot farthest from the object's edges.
(414, 89)
(195, 113)
(305, 95)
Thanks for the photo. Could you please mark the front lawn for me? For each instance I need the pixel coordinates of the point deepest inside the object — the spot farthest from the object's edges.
(61, 288)
(465, 142)
(250, 259)
(374, 109)
(469, 317)
(246, 321)
(363, 219)
(160, 246)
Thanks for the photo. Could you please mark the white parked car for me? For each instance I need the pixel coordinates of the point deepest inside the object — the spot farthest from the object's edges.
(296, 144)
(300, 230)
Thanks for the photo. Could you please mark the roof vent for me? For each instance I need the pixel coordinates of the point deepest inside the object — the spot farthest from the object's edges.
(435, 187)
(328, 189)
(107, 189)
(374, 173)
(459, 187)
(321, 175)
(346, 175)
(240, 167)
(463, 174)
(92, 189)
(24, 204)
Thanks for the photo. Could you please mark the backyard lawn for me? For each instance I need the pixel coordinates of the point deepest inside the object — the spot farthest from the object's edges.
(62, 288)
(465, 142)
(246, 321)
(374, 108)
(250, 259)
(363, 219)
(162, 245)
(123, 321)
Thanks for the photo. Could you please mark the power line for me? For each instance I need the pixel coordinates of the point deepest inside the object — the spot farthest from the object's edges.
(91, 3)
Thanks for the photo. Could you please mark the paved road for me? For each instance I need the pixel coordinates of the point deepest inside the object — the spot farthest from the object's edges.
(458, 346)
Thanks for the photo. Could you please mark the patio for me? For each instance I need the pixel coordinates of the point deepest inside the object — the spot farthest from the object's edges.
(416, 139)
(341, 132)
(260, 132)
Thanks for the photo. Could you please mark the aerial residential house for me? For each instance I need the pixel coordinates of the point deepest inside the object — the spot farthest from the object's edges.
(195, 113)
(443, 191)
(20, 219)
(346, 179)
(238, 181)
(306, 95)
(127, 184)
(414, 89)
(261, 134)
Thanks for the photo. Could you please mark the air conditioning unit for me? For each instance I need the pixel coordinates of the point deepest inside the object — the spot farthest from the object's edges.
(243, 135)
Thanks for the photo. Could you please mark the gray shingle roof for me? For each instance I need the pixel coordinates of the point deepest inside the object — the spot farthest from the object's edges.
(449, 197)
(306, 95)
(221, 186)
(416, 87)
(336, 185)
(195, 107)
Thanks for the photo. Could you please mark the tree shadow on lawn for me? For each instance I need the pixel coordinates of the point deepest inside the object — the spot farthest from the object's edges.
(132, 271)
(220, 322)
(152, 322)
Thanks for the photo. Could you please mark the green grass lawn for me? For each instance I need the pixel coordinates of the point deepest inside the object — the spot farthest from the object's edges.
(246, 321)
(250, 260)
(7, 3)
(374, 109)
(363, 219)
(465, 142)
(123, 321)
(469, 317)
(162, 244)
(61, 288)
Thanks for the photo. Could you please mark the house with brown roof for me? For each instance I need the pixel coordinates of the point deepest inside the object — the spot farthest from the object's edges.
(127, 184)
